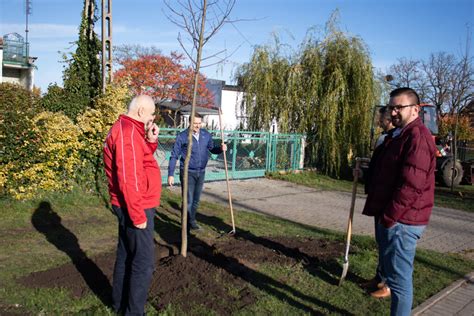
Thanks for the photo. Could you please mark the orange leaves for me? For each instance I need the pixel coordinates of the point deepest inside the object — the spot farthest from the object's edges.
(447, 124)
(163, 77)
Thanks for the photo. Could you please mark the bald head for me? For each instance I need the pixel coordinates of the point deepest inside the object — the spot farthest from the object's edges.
(142, 108)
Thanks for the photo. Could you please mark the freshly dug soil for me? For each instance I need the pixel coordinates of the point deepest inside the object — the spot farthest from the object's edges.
(216, 276)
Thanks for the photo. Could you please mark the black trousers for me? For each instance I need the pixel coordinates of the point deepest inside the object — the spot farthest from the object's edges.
(134, 263)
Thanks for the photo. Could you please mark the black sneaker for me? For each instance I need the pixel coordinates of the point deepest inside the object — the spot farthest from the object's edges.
(195, 227)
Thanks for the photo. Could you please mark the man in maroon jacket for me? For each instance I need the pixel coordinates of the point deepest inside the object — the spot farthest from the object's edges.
(135, 188)
(401, 194)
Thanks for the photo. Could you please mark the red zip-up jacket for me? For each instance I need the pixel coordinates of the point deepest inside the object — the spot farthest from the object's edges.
(401, 188)
(133, 174)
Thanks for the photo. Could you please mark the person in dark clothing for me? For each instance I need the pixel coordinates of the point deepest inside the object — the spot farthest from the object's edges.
(385, 123)
(377, 285)
(202, 145)
(401, 194)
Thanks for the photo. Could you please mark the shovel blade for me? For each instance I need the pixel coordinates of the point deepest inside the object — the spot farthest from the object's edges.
(345, 268)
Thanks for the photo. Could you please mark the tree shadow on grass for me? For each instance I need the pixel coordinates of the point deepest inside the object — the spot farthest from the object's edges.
(48, 222)
(169, 230)
(323, 269)
(422, 258)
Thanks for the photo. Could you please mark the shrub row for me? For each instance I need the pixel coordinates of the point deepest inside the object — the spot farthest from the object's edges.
(43, 150)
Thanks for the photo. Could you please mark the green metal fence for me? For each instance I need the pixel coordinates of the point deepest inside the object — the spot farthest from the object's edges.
(249, 154)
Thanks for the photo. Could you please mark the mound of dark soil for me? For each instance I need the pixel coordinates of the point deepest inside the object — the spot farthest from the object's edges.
(192, 281)
(213, 276)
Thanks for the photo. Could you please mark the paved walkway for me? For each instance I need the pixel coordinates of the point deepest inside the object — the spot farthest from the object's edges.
(449, 230)
(456, 299)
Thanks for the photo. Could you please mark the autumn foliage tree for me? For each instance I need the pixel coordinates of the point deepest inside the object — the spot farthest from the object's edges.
(448, 123)
(163, 77)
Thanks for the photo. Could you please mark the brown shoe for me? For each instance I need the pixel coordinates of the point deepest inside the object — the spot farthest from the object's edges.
(381, 293)
(372, 284)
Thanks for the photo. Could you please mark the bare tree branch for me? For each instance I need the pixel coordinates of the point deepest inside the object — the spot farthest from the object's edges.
(187, 14)
(444, 80)
(192, 16)
(221, 60)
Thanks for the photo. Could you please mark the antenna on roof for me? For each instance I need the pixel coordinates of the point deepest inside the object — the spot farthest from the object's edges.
(28, 12)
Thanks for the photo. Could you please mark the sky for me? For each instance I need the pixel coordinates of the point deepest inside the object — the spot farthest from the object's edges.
(391, 29)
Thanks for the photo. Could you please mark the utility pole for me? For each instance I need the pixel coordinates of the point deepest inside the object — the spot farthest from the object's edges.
(106, 43)
(28, 12)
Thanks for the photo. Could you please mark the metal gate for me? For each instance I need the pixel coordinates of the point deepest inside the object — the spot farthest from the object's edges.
(249, 154)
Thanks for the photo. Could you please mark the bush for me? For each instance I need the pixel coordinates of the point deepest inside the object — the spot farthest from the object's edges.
(17, 108)
(55, 99)
(18, 144)
(52, 166)
(45, 151)
(94, 125)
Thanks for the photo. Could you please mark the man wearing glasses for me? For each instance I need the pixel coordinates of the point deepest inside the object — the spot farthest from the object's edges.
(401, 194)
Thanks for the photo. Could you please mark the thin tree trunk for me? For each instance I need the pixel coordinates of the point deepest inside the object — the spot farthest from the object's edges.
(184, 217)
(454, 150)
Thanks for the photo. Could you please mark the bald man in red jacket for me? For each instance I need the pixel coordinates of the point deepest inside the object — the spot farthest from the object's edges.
(135, 188)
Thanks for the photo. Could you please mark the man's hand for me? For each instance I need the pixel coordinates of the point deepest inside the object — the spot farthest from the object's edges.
(141, 226)
(152, 131)
(170, 181)
(224, 147)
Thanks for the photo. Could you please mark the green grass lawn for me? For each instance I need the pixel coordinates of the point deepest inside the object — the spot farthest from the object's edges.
(25, 247)
(462, 198)
(316, 180)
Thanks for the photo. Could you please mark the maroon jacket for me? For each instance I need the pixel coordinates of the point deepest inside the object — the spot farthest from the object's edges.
(402, 179)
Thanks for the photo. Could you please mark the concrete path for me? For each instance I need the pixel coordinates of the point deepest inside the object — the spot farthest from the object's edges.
(456, 299)
(448, 231)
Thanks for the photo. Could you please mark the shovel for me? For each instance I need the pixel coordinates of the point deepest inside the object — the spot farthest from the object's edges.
(345, 266)
(229, 195)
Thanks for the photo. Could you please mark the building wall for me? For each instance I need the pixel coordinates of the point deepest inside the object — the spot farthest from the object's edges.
(19, 75)
(232, 116)
(12, 75)
(1, 61)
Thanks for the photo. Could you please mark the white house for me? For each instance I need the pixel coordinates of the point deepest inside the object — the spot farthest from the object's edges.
(17, 65)
(229, 99)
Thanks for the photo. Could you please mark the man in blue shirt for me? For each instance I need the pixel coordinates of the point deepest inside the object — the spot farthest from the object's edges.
(202, 145)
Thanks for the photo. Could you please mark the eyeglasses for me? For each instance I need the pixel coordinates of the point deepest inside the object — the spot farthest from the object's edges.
(398, 108)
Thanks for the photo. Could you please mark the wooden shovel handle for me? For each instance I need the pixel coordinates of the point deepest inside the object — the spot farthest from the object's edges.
(229, 195)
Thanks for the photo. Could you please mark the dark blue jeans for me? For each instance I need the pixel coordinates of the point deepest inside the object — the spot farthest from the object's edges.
(134, 263)
(195, 185)
(380, 273)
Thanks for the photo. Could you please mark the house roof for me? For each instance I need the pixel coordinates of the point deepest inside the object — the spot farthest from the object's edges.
(470, 107)
(229, 87)
(186, 108)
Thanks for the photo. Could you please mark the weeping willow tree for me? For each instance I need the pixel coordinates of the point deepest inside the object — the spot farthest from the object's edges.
(325, 90)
